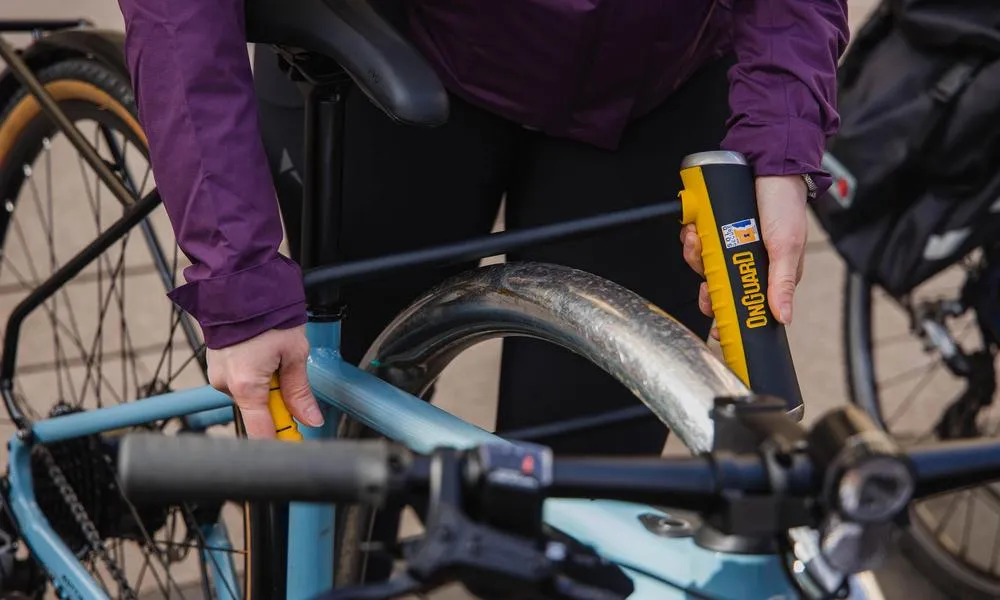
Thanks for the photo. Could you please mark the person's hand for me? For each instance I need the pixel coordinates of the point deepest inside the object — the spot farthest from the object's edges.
(781, 204)
(244, 371)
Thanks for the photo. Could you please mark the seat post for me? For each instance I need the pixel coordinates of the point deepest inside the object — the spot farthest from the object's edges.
(322, 189)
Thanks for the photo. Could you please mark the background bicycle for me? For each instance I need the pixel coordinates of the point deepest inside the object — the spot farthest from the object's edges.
(815, 335)
(65, 180)
(913, 212)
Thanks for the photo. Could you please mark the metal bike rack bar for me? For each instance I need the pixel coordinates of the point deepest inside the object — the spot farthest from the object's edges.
(484, 246)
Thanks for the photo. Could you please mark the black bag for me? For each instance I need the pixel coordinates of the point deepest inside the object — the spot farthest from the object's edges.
(916, 162)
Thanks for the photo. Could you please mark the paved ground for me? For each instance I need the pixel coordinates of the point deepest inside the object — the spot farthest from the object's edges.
(468, 387)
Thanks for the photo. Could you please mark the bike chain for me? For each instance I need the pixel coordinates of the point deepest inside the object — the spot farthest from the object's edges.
(86, 525)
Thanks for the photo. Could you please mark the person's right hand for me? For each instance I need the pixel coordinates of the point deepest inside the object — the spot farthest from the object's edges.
(781, 203)
(244, 371)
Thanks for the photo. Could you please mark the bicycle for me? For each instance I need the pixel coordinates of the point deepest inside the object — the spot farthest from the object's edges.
(920, 330)
(299, 550)
(950, 320)
(950, 537)
(66, 99)
(486, 504)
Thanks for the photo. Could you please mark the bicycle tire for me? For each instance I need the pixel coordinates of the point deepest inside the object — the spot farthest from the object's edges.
(949, 573)
(86, 90)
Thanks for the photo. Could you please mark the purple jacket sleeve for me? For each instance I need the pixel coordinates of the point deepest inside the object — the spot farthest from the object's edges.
(194, 89)
(783, 87)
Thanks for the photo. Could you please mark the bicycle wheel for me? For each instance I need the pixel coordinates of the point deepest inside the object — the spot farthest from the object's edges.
(937, 343)
(613, 328)
(107, 336)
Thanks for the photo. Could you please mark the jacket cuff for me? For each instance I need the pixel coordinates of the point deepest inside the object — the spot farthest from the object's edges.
(236, 307)
(222, 336)
(791, 147)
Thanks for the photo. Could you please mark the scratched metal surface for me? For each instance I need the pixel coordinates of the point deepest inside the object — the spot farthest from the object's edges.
(664, 364)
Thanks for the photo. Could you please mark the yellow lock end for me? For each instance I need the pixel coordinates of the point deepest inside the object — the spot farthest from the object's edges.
(285, 427)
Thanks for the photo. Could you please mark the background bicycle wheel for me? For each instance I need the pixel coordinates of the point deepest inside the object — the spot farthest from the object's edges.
(815, 336)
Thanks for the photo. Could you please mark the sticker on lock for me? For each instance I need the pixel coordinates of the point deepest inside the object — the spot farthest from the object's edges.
(740, 233)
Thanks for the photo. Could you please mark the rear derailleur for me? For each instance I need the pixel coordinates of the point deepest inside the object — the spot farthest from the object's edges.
(981, 293)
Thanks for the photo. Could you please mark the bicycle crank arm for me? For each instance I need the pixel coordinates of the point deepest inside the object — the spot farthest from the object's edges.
(719, 199)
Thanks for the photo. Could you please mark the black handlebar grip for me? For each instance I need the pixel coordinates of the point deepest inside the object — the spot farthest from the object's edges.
(719, 199)
(211, 469)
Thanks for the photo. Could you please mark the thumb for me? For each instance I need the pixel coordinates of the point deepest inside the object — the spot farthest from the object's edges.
(297, 393)
(781, 282)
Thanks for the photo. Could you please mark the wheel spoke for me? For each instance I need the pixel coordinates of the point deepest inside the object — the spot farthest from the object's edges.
(920, 386)
(912, 401)
(189, 518)
(967, 532)
(149, 547)
(84, 347)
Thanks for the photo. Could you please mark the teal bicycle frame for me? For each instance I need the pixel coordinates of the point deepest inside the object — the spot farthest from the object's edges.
(661, 568)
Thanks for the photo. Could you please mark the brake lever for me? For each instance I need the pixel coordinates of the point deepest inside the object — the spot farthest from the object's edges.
(495, 564)
(472, 538)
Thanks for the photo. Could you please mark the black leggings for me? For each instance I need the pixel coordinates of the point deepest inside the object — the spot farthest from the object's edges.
(407, 188)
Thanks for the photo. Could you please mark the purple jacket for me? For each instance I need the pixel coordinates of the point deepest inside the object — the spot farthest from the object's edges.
(580, 69)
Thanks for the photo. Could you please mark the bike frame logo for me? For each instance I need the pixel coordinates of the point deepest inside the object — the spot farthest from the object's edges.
(740, 233)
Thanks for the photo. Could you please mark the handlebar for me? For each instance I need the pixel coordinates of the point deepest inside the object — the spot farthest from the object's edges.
(844, 479)
(953, 465)
(211, 469)
(208, 469)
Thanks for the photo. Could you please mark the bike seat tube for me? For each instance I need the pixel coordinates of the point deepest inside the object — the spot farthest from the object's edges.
(322, 190)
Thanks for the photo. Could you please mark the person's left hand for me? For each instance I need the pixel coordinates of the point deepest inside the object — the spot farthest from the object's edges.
(781, 204)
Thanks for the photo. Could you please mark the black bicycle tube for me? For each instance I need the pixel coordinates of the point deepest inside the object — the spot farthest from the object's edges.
(483, 246)
(132, 217)
(31, 25)
(322, 193)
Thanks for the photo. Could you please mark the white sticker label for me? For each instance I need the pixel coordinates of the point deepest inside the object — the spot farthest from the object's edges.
(740, 233)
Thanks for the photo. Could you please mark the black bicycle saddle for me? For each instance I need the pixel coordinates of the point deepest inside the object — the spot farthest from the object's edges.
(379, 60)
